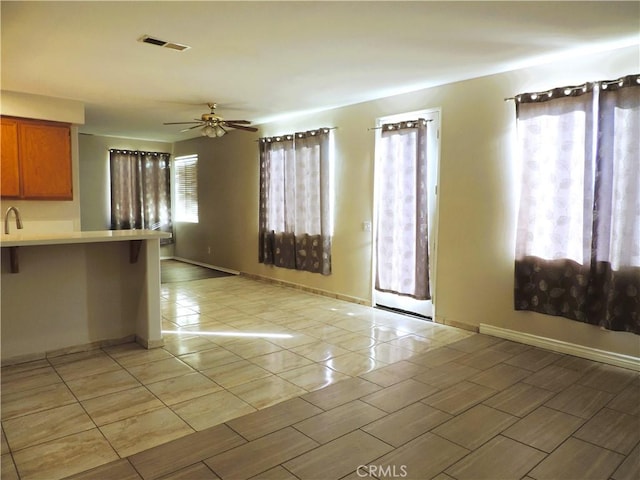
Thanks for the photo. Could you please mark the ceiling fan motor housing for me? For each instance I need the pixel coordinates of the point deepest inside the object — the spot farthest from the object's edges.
(210, 117)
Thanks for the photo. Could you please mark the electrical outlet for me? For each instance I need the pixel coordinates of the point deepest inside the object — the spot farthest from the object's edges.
(209, 250)
(366, 226)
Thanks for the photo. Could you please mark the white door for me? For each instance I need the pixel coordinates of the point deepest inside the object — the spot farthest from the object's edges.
(389, 299)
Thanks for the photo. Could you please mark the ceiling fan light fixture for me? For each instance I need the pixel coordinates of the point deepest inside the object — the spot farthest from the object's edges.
(213, 125)
(208, 131)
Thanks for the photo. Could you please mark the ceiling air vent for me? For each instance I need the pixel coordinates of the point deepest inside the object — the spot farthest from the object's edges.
(176, 46)
(162, 43)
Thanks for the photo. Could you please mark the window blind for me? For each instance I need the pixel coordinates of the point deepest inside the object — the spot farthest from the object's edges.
(186, 188)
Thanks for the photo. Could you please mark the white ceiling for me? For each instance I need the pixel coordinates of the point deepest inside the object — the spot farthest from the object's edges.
(263, 60)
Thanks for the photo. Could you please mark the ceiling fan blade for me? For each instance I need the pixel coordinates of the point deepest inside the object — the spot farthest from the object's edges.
(241, 127)
(241, 122)
(180, 123)
(190, 128)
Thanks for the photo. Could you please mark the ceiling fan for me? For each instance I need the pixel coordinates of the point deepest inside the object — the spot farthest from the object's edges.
(213, 125)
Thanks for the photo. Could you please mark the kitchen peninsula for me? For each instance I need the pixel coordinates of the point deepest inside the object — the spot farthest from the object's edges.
(73, 291)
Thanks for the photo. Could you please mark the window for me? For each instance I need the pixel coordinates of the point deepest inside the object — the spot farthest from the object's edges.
(295, 201)
(186, 187)
(578, 235)
(140, 191)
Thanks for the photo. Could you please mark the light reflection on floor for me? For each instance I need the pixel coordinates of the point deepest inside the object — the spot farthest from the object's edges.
(232, 346)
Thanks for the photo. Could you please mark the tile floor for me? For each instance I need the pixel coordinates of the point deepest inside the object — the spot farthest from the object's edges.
(262, 381)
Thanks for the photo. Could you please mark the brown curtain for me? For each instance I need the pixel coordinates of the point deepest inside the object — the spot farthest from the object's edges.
(578, 237)
(295, 201)
(140, 191)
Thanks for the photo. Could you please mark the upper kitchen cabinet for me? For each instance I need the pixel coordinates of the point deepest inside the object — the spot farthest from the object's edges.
(9, 167)
(36, 159)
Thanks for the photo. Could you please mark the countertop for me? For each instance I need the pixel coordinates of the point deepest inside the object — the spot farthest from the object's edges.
(18, 239)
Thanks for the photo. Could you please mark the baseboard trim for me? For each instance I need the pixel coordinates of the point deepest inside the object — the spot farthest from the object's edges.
(202, 264)
(85, 347)
(611, 358)
(149, 344)
(316, 291)
(453, 323)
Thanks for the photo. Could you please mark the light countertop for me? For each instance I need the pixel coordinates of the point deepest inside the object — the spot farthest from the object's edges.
(18, 239)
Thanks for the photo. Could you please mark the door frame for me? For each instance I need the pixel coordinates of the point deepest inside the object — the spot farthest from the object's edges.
(433, 161)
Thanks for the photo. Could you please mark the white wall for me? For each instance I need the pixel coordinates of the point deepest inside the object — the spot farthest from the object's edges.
(477, 197)
(40, 107)
(227, 184)
(71, 295)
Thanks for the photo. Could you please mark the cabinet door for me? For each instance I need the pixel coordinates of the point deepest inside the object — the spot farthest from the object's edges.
(45, 160)
(9, 166)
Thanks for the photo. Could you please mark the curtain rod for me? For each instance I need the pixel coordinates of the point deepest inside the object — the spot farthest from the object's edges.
(126, 150)
(566, 90)
(296, 133)
(585, 86)
(378, 128)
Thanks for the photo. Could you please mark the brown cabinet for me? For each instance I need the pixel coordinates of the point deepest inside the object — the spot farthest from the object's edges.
(35, 160)
(9, 167)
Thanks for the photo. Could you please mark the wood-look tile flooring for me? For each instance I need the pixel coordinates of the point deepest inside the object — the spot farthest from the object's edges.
(263, 381)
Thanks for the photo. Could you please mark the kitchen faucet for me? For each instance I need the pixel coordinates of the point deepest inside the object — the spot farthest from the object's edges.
(6, 219)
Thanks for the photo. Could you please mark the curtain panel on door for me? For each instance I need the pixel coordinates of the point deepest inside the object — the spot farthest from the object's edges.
(578, 235)
(140, 191)
(402, 246)
(295, 201)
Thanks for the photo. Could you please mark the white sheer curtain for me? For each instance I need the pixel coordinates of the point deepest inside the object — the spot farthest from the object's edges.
(556, 146)
(402, 257)
(295, 201)
(578, 234)
(618, 178)
(280, 157)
